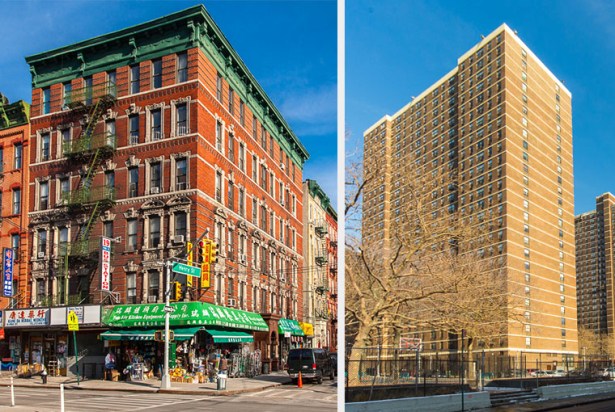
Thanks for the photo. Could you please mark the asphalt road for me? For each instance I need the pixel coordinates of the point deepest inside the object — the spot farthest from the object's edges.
(309, 398)
(606, 406)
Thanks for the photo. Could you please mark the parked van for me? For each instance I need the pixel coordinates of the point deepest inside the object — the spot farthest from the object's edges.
(313, 364)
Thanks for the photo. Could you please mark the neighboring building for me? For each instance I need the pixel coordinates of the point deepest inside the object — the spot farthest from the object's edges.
(500, 125)
(316, 275)
(595, 237)
(14, 138)
(332, 277)
(155, 136)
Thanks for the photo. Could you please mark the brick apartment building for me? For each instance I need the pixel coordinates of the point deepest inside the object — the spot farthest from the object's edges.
(594, 235)
(331, 219)
(14, 158)
(500, 125)
(154, 136)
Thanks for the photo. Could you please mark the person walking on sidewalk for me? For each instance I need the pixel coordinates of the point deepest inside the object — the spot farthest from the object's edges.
(109, 365)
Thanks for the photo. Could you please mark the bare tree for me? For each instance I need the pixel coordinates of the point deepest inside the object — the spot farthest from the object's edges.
(430, 269)
(596, 344)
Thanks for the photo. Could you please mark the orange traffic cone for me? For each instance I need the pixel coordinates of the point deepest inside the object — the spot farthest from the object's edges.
(299, 381)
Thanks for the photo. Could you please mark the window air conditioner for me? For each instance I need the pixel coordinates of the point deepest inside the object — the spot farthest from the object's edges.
(155, 190)
(242, 258)
(281, 165)
(231, 302)
(178, 239)
(41, 255)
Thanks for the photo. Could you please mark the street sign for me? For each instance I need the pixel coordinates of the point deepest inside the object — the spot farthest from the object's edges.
(186, 270)
(73, 321)
(169, 309)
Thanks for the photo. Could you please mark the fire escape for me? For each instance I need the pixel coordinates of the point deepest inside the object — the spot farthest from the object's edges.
(85, 202)
(320, 271)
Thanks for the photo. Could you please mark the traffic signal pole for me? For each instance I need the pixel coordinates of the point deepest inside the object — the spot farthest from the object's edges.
(166, 379)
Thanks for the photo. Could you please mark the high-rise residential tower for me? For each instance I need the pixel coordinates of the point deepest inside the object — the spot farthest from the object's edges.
(594, 265)
(494, 135)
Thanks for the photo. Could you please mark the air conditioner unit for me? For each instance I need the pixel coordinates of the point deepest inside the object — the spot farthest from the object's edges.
(282, 166)
(41, 255)
(181, 186)
(155, 190)
(282, 202)
(152, 299)
(282, 279)
(231, 302)
(242, 258)
(178, 239)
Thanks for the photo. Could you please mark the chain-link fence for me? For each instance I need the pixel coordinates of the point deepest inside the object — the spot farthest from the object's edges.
(378, 369)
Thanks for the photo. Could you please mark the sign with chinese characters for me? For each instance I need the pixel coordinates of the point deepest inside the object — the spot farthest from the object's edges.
(78, 311)
(105, 264)
(7, 272)
(26, 317)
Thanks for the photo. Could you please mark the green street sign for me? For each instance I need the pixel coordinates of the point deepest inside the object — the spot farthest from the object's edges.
(186, 270)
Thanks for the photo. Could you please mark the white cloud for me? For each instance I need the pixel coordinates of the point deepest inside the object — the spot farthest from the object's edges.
(311, 111)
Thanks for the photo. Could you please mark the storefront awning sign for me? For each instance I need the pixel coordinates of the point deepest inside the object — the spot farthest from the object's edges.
(229, 336)
(185, 314)
(181, 334)
(26, 317)
(286, 326)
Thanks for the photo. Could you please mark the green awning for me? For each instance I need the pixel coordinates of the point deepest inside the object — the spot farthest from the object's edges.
(291, 326)
(229, 336)
(181, 334)
(184, 314)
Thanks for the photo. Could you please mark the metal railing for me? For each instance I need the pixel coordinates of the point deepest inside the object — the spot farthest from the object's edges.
(87, 195)
(86, 144)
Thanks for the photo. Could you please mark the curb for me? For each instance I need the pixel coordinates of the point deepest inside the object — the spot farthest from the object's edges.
(210, 392)
(573, 404)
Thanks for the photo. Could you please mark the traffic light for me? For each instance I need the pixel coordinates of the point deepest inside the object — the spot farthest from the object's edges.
(159, 335)
(213, 253)
(176, 292)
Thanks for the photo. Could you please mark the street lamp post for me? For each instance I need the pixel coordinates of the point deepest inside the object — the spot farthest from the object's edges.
(166, 380)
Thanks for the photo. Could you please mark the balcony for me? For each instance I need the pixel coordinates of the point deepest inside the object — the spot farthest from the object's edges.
(87, 145)
(51, 301)
(321, 260)
(85, 196)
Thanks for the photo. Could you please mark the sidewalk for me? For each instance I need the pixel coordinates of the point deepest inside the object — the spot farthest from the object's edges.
(233, 385)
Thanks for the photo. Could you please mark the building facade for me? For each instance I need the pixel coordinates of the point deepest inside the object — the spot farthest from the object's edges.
(594, 265)
(332, 279)
(155, 137)
(14, 159)
(316, 279)
(494, 136)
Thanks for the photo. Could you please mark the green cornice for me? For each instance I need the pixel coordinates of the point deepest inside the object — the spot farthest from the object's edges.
(317, 192)
(14, 114)
(173, 33)
(332, 212)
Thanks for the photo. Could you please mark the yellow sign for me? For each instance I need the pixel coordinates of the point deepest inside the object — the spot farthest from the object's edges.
(73, 321)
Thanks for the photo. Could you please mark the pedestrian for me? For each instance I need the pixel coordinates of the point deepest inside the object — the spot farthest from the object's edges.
(109, 365)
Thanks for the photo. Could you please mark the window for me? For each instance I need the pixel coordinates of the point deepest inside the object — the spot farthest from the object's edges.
(182, 67)
(271, 146)
(45, 146)
(219, 88)
(131, 287)
(219, 187)
(181, 171)
(242, 157)
(133, 182)
(263, 177)
(231, 196)
(156, 122)
(110, 131)
(1, 159)
(154, 231)
(135, 79)
(264, 301)
(254, 128)
(109, 179)
(242, 202)
(42, 242)
(231, 148)
(181, 220)
(242, 114)
(254, 211)
(153, 281)
(16, 201)
(66, 143)
(157, 73)
(43, 193)
(67, 89)
(108, 229)
(18, 150)
(219, 135)
(263, 138)
(155, 177)
(15, 246)
(254, 169)
(181, 120)
(88, 90)
(131, 243)
(46, 100)
(111, 81)
(134, 129)
(231, 104)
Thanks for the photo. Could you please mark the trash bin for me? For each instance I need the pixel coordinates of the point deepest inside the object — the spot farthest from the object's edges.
(222, 381)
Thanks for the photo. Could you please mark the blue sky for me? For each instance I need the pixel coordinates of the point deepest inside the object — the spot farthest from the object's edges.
(289, 46)
(396, 49)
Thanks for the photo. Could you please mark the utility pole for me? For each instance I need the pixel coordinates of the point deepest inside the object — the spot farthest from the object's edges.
(166, 380)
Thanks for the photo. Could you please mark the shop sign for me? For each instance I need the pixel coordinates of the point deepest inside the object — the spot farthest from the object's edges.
(105, 263)
(78, 311)
(27, 317)
(185, 314)
(7, 272)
